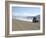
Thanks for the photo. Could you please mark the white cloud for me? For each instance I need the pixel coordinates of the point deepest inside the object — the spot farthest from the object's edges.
(25, 14)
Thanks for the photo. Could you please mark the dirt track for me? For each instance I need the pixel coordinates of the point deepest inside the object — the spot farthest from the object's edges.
(21, 25)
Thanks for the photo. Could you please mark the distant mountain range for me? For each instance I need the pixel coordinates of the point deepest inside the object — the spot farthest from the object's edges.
(26, 18)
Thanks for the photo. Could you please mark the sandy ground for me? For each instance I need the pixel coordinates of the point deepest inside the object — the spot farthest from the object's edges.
(23, 25)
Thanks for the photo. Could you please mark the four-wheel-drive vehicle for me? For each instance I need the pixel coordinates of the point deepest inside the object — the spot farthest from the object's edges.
(35, 19)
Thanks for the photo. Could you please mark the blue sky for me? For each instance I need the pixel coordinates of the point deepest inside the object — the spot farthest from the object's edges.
(25, 11)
